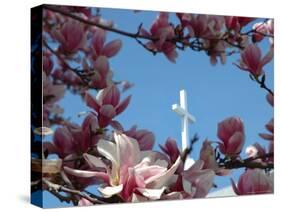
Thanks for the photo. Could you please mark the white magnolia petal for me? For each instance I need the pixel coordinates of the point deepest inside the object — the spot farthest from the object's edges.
(162, 163)
(138, 198)
(83, 173)
(110, 190)
(187, 187)
(127, 146)
(164, 178)
(108, 150)
(152, 194)
(94, 161)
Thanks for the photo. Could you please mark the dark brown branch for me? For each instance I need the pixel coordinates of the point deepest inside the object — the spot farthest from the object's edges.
(180, 42)
(56, 189)
(249, 163)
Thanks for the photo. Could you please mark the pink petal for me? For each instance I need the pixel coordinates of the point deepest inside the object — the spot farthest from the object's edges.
(123, 105)
(88, 174)
(112, 48)
(91, 102)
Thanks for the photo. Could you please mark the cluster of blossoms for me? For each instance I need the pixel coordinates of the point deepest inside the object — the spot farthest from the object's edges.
(122, 162)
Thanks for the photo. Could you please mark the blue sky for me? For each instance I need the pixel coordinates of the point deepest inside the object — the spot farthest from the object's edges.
(213, 92)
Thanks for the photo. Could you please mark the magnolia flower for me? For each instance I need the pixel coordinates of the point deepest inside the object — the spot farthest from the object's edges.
(198, 181)
(71, 36)
(102, 74)
(231, 133)
(197, 25)
(171, 149)
(162, 30)
(252, 60)
(207, 155)
(145, 138)
(100, 48)
(107, 104)
(73, 139)
(132, 172)
(253, 181)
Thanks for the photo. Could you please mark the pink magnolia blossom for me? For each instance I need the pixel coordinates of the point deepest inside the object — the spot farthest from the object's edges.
(171, 149)
(253, 181)
(231, 135)
(107, 104)
(145, 138)
(207, 155)
(252, 60)
(132, 172)
(198, 181)
(102, 75)
(163, 31)
(99, 48)
(71, 36)
(73, 139)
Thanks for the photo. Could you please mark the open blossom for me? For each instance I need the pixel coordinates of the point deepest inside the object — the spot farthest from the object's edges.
(71, 36)
(198, 181)
(145, 138)
(252, 60)
(73, 139)
(231, 135)
(254, 181)
(162, 30)
(132, 173)
(99, 48)
(207, 155)
(107, 104)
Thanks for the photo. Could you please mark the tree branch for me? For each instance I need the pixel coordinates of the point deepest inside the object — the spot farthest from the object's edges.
(249, 163)
(56, 189)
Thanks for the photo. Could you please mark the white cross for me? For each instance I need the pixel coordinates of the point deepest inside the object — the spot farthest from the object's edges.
(182, 111)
